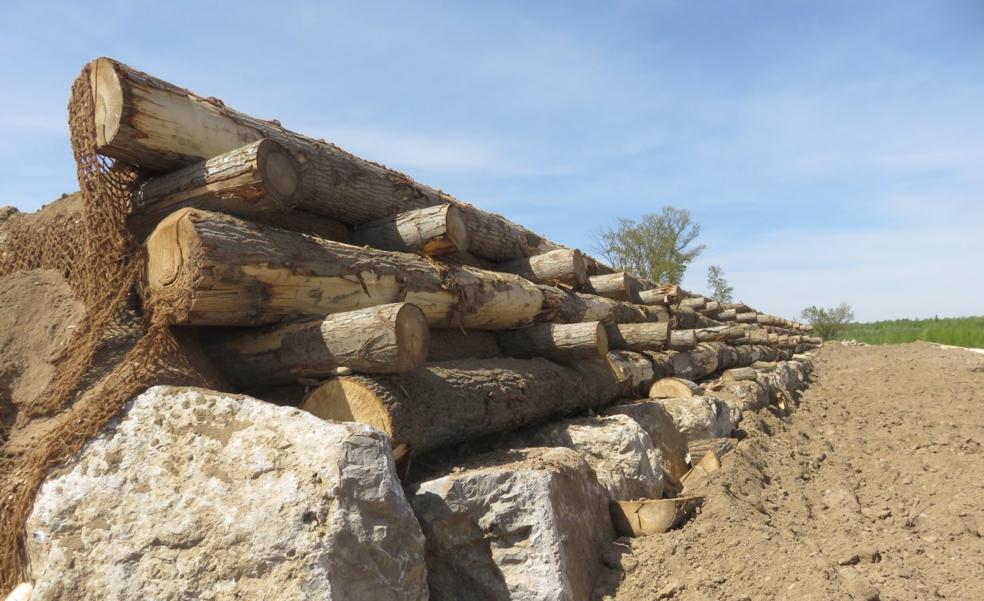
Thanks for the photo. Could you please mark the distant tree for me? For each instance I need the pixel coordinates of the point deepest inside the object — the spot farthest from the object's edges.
(827, 323)
(659, 247)
(720, 290)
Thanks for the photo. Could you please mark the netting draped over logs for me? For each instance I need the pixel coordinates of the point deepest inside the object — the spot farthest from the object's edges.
(101, 260)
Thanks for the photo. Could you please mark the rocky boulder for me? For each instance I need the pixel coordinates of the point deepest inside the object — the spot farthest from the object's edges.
(743, 395)
(701, 417)
(522, 525)
(670, 446)
(616, 447)
(198, 494)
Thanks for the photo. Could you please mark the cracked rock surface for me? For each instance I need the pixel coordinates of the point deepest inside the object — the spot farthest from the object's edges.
(205, 495)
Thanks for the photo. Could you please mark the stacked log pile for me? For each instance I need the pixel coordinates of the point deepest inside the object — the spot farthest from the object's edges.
(309, 276)
(395, 304)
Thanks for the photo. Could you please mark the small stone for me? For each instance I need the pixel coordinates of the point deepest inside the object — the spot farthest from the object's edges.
(858, 586)
(669, 589)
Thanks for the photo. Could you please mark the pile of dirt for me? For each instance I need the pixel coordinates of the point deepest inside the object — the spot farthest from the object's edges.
(38, 316)
(871, 490)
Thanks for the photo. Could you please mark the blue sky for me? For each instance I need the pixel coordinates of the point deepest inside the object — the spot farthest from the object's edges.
(831, 151)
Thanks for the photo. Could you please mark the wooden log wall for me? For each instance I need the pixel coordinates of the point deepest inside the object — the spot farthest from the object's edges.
(403, 307)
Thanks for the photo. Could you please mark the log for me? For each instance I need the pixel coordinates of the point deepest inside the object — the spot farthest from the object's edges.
(304, 222)
(655, 297)
(749, 317)
(727, 315)
(446, 403)
(437, 230)
(655, 313)
(673, 388)
(718, 333)
(563, 266)
(711, 308)
(385, 339)
(261, 177)
(634, 372)
(596, 267)
(696, 303)
(737, 374)
(617, 286)
(638, 336)
(466, 259)
(447, 344)
(557, 342)
(208, 268)
(696, 363)
(562, 306)
(682, 340)
(148, 122)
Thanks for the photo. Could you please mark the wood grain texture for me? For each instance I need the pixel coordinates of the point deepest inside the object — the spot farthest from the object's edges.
(213, 269)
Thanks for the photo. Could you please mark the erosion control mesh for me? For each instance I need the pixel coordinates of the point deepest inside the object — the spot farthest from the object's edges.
(101, 261)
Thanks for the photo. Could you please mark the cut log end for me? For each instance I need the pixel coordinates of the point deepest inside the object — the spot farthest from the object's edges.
(348, 400)
(412, 335)
(278, 169)
(107, 99)
(458, 237)
(668, 388)
(165, 260)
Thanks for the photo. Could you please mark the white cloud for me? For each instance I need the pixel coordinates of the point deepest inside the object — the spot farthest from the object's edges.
(916, 264)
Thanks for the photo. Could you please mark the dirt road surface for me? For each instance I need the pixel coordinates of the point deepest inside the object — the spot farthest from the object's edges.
(872, 489)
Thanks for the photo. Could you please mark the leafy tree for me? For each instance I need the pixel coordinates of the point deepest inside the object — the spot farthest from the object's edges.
(828, 322)
(659, 247)
(720, 290)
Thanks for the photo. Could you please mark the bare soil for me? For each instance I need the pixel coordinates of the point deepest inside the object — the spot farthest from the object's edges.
(38, 316)
(872, 489)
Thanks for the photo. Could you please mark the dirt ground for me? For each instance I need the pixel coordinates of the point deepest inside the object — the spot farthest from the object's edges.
(38, 316)
(872, 489)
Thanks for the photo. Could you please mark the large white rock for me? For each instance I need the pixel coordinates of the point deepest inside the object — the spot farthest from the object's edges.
(194, 494)
(520, 525)
(701, 416)
(670, 446)
(616, 447)
(743, 395)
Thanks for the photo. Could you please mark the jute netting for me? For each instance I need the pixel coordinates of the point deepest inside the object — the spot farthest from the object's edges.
(101, 261)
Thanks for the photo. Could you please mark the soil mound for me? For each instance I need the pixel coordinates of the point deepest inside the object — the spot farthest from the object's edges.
(38, 316)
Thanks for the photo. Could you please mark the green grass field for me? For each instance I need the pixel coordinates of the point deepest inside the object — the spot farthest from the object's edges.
(956, 331)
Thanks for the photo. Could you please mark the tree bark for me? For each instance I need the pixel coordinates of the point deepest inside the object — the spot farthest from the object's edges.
(562, 266)
(385, 339)
(448, 344)
(261, 177)
(695, 303)
(696, 363)
(213, 269)
(749, 317)
(656, 313)
(436, 230)
(617, 286)
(655, 297)
(446, 403)
(634, 372)
(151, 123)
(304, 222)
(638, 336)
(682, 340)
(562, 306)
(557, 342)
